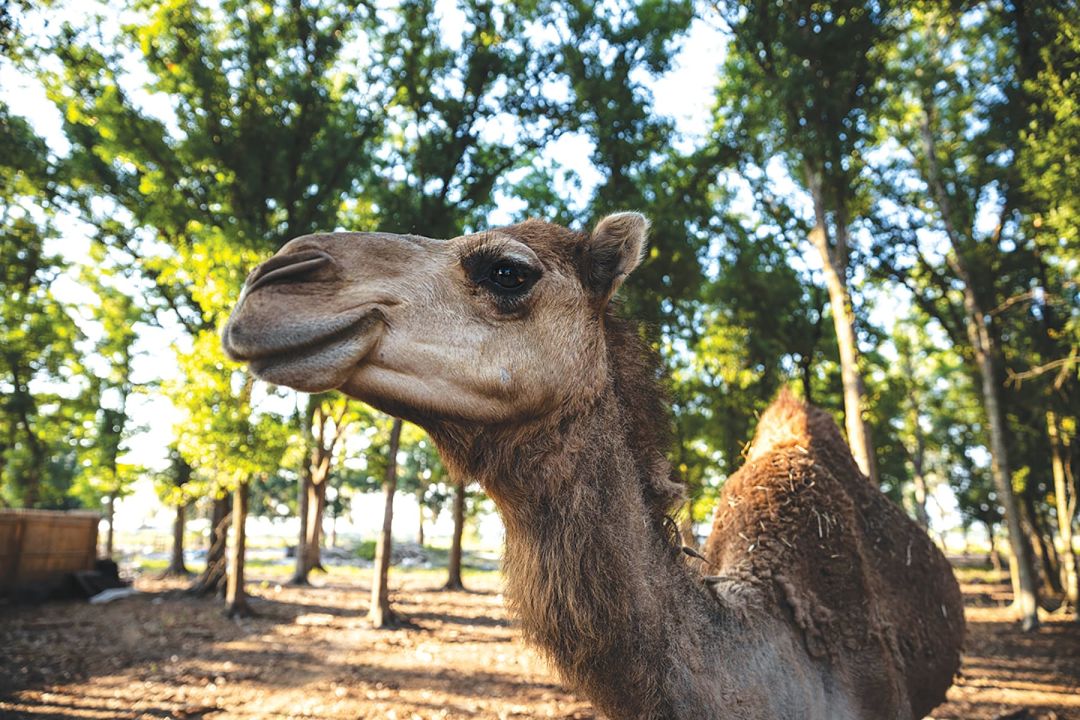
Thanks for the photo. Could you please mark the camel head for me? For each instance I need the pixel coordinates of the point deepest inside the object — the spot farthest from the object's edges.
(496, 327)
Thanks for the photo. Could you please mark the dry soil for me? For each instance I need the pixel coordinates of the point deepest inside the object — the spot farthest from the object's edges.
(310, 653)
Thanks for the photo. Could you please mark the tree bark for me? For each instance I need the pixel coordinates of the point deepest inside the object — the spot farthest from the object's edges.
(381, 614)
(236, 603)
(303, 492)
(176, 563)
(995, 556)
(921, 515)
(212, 579)
(1045, 553)
(453, 575)
(1065, 500)
(834, 267)
(316, 506)
(300, 573)
(420, 519)
(313, 480)
(110, 516)
(1027, 599)
(807, 378)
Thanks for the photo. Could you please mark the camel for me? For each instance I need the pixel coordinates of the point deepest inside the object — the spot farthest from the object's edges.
(814, 598)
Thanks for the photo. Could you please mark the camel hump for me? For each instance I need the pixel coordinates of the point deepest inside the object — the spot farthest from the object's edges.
(791, 422)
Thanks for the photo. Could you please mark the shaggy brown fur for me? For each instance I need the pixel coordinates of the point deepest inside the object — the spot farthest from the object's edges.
(869, 592)
(825, 601)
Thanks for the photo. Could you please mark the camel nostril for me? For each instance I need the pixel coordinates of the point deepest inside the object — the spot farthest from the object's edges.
(287, 267)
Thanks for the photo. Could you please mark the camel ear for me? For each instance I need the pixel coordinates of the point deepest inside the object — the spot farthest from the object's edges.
(616, 246)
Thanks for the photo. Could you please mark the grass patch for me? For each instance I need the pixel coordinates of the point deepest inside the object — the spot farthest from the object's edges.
(366, 550)
(148, 565)
(980, 575)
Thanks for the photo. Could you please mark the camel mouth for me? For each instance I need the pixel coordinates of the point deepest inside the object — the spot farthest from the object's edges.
(312, 356)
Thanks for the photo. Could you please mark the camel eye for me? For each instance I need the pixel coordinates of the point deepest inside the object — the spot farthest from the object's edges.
(508, 276)
(509, 279)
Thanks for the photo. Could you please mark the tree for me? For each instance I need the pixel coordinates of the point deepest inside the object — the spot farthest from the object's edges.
(43, 404)
(800, 87)
(959, 131)
(175, 488)
(195, 198)
(1066, 492)
(454, 580)
(215, 576)
(438, 171)
(328, 418)
(421, 474)
(1052, 183)
(103, 476)
(223, 437)
(236, 604)
(380, 613)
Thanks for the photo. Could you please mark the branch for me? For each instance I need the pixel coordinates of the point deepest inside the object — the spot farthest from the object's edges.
(1014, 300)
(1017, 378)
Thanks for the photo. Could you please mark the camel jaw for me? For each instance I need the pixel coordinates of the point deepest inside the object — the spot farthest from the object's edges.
(304, 354)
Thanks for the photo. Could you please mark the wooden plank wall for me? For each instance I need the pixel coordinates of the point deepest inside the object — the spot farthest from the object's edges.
(39, 545)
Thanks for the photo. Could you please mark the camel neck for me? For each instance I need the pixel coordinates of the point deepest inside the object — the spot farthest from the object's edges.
(593, 572)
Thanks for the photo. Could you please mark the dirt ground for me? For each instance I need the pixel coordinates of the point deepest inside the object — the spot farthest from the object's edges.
(311, 654)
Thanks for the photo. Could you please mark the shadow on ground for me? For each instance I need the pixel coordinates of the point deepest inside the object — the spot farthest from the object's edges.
(310, 652)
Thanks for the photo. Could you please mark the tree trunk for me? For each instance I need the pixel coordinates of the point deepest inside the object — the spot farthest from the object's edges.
(1027, 599)
(995, 556)
(316, 507)
(380, 614)
(1053, 556)
(300, 573)
(834, 266)
(314, 478)
(213, 576)
(1065, 500)
(453, 576)
(420, 519)
(857, 432)
(1045, 553)
(176, 563)
(236, 603)
(984, 348)
(918, 455)
(807, 378)
(921, 515)
(110, 515)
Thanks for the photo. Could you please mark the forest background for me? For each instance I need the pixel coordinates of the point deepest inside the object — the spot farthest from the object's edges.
(877, 204)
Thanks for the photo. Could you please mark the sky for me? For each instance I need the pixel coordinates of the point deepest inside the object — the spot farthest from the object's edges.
(684, 94)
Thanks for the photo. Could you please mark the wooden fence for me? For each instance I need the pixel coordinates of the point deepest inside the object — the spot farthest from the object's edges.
(39, 546)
